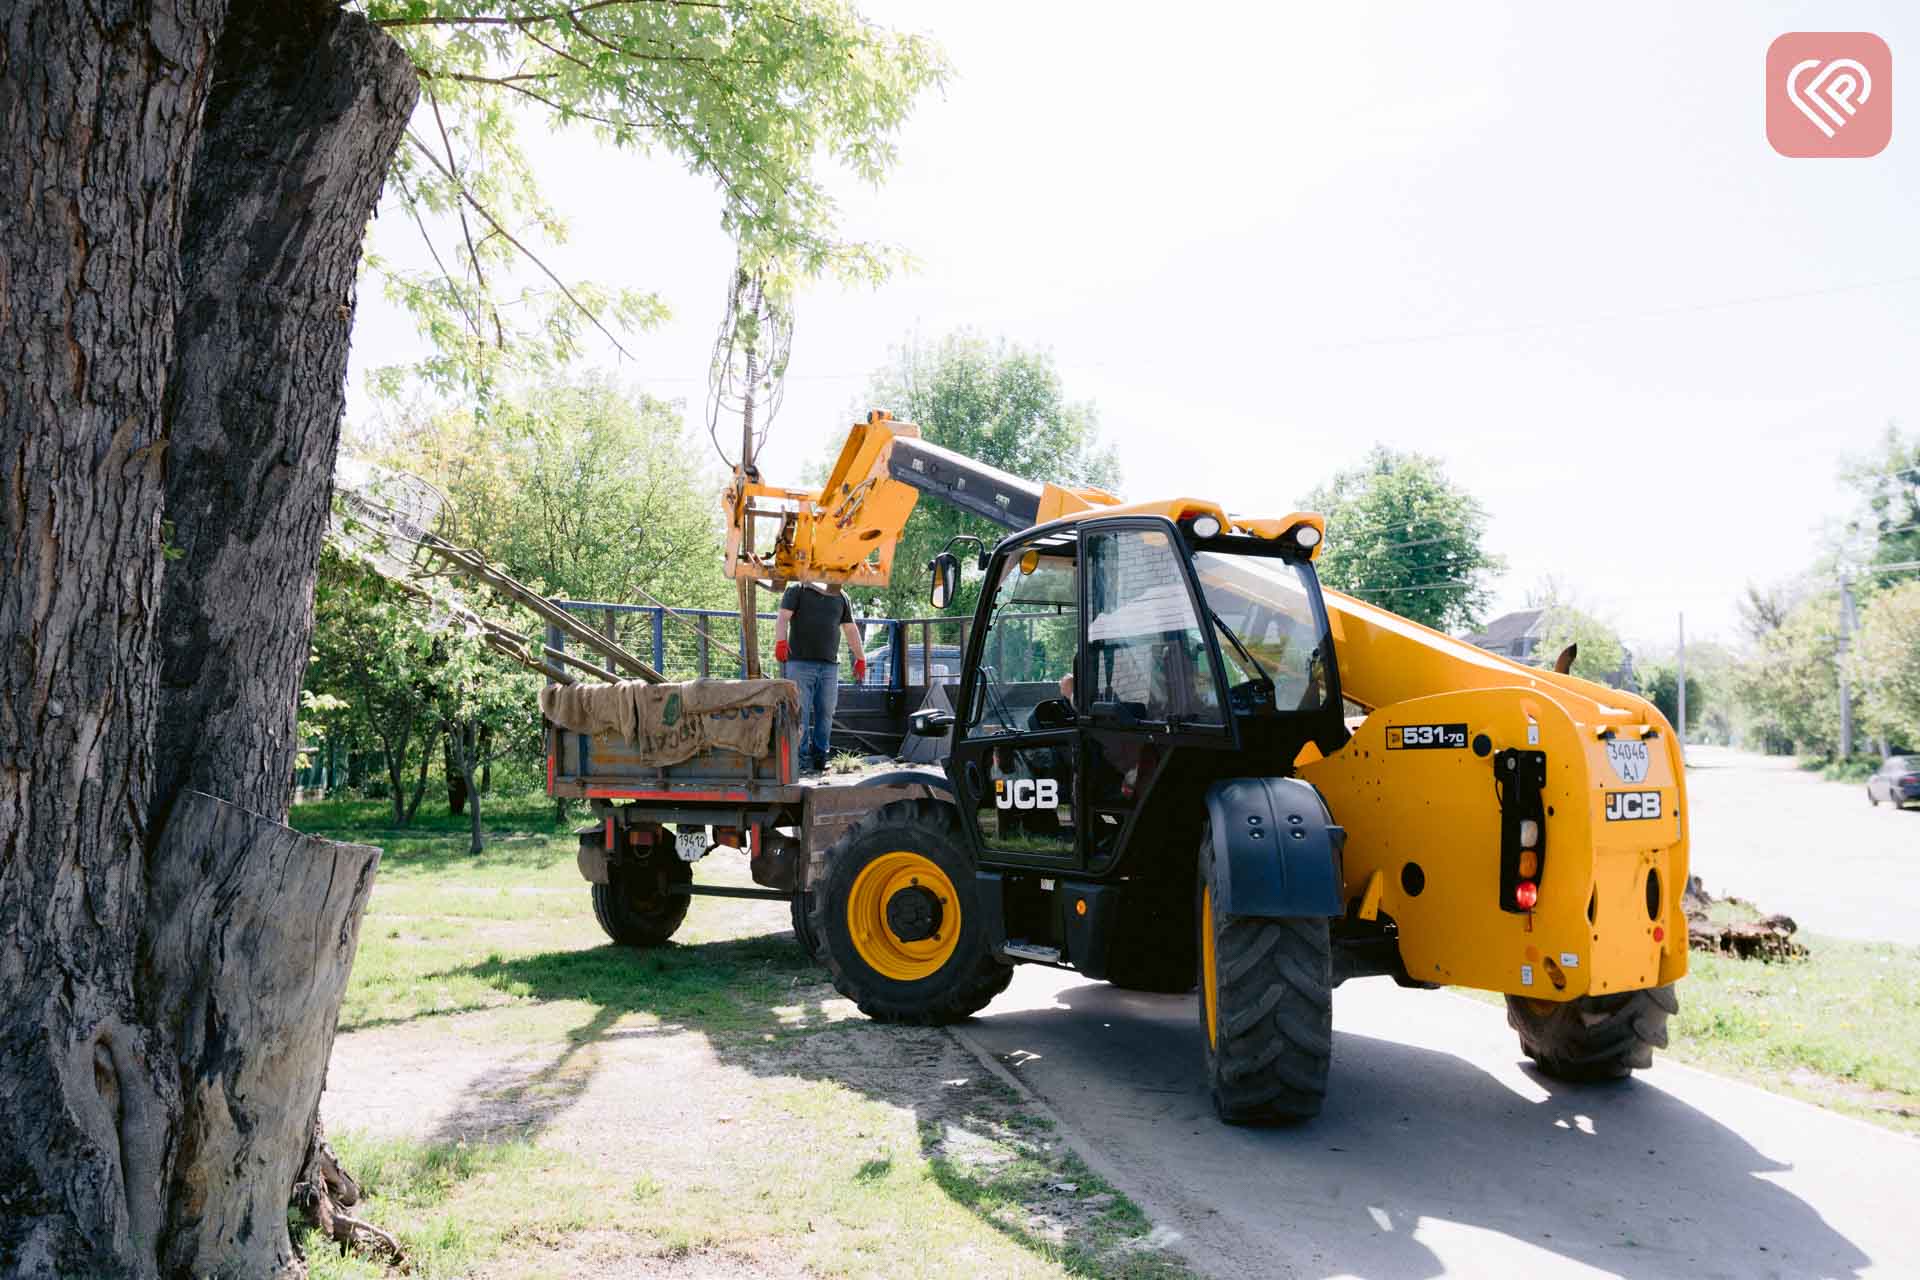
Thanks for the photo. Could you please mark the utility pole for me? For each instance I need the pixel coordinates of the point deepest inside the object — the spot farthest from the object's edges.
(1846, 649)
(1682, 682)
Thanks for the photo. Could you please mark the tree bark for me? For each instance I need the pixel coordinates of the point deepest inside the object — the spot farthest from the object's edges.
(99, 116)
(164, 1038)
(464, 741)
(306, 110)
(456, 782)
(420, 780)
(253, 934)
(307, 107)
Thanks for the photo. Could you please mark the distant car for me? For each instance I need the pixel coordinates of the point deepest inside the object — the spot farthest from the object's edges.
(1898, 780)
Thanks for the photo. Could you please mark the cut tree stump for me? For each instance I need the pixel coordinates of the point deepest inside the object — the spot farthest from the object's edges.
(253, 936)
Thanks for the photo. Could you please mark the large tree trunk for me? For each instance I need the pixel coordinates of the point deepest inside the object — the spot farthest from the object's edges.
(307, 108)
(159, 1084)
(99, 117)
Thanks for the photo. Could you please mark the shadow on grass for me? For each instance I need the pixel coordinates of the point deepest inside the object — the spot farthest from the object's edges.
(766, 1008)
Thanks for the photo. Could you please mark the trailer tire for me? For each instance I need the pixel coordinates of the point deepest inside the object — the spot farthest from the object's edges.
(904, 869)
(636, 909)
(1594, 1038)
(1266, 1008)
(803, 932)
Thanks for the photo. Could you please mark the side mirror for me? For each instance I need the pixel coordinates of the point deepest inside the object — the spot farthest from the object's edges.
(946, 579)
(931, 723)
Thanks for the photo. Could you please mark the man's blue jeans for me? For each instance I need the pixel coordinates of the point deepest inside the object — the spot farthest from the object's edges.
(819, 693)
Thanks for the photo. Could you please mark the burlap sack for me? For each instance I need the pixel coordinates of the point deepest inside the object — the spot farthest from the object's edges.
(669, 723)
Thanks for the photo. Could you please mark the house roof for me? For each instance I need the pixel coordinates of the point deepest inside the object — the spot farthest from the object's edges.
(1500, 634)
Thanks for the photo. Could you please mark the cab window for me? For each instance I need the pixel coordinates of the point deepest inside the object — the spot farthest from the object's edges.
(1033, 634)
(1145, 648)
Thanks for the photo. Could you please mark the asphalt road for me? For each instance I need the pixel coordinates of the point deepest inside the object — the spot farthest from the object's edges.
(1440, 1154)
(1814, 850)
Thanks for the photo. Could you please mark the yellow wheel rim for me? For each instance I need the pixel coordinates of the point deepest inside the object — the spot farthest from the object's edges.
(1209, 981)
(876, 910)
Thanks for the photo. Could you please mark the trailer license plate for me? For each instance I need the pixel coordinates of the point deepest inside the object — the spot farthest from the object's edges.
(690, 845)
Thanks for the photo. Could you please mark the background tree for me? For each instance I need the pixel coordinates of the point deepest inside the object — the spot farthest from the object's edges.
(1887, 665)
(373, 651)
(176, 305)
(1791, 684)
(1602, 656)
(1402, 535)
(1660, 685)
(998, 403)
(1885, 527)
(577, 488)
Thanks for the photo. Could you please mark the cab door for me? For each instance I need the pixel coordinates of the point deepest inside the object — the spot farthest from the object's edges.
(1151, 685)
(1015, 762)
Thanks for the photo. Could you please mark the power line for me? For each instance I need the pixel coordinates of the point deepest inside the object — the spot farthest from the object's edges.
(1382, 591)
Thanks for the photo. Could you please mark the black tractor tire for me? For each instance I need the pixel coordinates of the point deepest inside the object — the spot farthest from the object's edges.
(1269, 1044)
(636, 910)
(802, 910)
(1154, 945)
(969, 976)
(1594, 1038)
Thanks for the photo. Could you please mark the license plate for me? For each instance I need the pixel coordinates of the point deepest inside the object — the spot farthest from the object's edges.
(690, 845)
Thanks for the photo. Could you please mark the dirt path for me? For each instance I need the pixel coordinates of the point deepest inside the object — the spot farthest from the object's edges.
(702, 1133)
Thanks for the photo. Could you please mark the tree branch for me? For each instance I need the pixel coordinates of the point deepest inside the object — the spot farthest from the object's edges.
(515, 241)
(466, 231)
(529, 19)
(413, 210)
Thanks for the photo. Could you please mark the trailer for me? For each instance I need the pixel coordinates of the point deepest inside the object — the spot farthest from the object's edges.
(652, 824)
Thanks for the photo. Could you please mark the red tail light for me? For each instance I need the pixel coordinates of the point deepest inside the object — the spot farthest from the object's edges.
(1910, 779)
(1525, 894)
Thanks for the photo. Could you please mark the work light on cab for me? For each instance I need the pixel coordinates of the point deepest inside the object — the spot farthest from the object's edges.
(1206, 527)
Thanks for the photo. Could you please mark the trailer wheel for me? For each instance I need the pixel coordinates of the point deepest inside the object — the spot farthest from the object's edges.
(636, 909)
(1266, 1008)
(802, 908)
(897, 921)
(1594, 1038)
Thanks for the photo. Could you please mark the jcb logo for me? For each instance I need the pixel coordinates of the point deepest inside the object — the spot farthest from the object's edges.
(1631, 806)
(1026, 793)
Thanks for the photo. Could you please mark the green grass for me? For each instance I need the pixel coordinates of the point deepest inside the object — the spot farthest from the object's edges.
(1841, 1028)
(828, 1173)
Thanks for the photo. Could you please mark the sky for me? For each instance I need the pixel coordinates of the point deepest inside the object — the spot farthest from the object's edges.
(1548, 244)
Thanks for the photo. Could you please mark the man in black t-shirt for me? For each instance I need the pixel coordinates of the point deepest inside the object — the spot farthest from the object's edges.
(806, 640)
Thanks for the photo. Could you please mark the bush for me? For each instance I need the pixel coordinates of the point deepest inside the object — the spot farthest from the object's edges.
(1847, 769)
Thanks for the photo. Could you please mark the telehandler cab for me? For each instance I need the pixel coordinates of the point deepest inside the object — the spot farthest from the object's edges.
(1176, 763)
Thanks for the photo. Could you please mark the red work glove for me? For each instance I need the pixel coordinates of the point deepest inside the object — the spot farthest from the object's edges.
(780, 650)
(859, 670)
